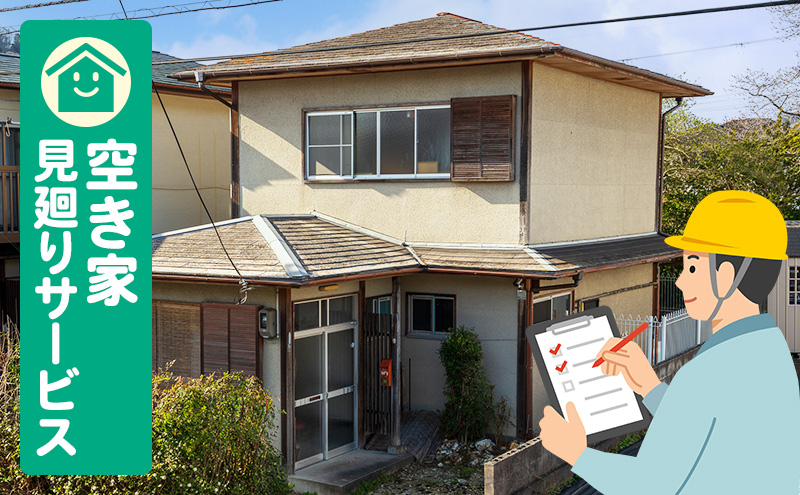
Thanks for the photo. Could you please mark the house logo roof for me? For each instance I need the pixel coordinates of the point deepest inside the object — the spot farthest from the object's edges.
(86, 82)
(85, 50)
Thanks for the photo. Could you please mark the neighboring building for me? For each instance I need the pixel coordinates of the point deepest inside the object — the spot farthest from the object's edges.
(783, 302)
(391, 192)
(201, 123)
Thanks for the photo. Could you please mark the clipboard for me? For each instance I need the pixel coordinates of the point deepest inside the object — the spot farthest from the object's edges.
(606, 404)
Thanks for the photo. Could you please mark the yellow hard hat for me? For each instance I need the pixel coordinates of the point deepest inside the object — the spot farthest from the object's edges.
(736, 223)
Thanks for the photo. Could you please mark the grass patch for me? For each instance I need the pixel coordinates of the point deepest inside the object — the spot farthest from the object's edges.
(370, 486)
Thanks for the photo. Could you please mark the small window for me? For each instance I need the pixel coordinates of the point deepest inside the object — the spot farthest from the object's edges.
(591, 304)
(552, 307)
(386, 143)
(431, 314)
(380, 305)
(794, 285)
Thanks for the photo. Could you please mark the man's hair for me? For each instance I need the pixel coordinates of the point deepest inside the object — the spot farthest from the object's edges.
(759, 279)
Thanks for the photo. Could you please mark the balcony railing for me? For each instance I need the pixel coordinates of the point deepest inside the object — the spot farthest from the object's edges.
(9, 202)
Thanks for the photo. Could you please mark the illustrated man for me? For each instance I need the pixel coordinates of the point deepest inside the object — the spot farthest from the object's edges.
(729, 422)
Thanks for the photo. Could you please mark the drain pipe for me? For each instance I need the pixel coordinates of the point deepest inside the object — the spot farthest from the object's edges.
(200, 77)
(660, 177)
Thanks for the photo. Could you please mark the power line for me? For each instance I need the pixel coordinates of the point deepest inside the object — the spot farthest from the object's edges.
(245, 288)
(743, 43)
(487, 33)
(37, 5)
(150, 12)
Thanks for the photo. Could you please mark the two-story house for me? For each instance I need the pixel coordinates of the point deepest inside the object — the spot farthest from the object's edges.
(394, 184)
(200, 122)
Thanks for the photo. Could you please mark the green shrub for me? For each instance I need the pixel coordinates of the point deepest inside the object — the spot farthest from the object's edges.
(468, 408)
(211, 435)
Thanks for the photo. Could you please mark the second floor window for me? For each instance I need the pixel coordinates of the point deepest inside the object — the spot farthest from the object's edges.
(393, 143)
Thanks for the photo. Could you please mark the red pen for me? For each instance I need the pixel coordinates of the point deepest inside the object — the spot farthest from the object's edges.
(622, 343)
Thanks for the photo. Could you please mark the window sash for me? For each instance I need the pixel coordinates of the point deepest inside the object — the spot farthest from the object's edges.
(323, 312)
(432, 299)
(377, 175)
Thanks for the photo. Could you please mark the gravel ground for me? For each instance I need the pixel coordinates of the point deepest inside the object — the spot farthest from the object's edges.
(428, 478)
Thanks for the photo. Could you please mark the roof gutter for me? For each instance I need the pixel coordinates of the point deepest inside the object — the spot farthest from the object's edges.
(416, 61)
(200, 77)
(157, 277)
(660, 167)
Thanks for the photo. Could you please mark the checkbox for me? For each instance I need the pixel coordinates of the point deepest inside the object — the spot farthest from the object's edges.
(568, 386)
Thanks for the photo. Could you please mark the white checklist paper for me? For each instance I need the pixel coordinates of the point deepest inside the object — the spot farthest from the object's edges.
(569, 350)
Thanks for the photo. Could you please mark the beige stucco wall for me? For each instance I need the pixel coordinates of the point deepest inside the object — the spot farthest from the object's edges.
(272, 157)
(9, 108)
(594, 147)
(202, 125)
(487, 304)
(229, 294)
(635, 302)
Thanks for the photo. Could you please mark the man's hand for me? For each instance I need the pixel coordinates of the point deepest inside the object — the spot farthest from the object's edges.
(565, 439)
(632, 363)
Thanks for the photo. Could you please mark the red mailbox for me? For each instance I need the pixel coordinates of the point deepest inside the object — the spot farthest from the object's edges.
(386, 372)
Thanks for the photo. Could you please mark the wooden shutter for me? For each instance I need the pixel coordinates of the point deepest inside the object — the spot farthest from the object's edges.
(244, 339)
(215, 338)
(482, 138)
(176, 336)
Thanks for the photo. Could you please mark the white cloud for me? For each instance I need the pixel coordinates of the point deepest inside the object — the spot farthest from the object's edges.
(244, 37)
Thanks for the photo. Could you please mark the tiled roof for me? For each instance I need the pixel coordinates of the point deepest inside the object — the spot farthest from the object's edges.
(518, 259)
(436, 39)
(328, 250)
(793, 229)
(198, 253)
(301, 249)
(160, 72)
(9, 62)
(607, 253)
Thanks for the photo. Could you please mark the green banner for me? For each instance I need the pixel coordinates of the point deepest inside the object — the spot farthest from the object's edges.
(86, 216)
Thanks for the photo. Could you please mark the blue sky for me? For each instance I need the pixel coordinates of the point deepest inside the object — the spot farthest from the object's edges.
(291, 22)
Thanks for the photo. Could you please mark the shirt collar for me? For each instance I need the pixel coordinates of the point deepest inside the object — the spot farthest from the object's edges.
(738, 328)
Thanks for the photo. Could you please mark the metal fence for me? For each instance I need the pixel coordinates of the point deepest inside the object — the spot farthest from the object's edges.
(671, 298)
(667, 336)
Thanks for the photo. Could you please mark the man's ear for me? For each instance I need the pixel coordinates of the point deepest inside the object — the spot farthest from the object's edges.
(725, 275)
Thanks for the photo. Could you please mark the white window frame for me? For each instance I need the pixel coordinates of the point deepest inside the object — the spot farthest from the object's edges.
(431, 297)
(377, 175)
(796, 279)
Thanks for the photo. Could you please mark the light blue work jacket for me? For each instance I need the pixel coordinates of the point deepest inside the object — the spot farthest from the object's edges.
(728, 423)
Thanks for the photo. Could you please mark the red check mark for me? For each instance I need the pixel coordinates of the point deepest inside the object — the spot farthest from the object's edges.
(561, 368)
(555, 351)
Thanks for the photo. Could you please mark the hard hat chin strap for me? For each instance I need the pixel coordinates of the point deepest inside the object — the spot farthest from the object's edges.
(712, 265)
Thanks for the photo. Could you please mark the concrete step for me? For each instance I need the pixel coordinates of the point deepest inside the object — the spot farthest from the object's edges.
(343, 474)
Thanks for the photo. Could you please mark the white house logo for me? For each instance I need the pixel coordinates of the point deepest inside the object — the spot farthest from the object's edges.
(86, 82)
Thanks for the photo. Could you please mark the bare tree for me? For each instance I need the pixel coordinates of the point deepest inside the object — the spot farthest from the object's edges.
(777, 92)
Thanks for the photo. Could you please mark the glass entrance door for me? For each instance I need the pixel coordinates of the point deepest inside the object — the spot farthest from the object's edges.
(325, 393)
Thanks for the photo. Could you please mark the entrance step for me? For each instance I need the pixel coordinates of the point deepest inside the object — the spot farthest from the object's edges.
(343, 474)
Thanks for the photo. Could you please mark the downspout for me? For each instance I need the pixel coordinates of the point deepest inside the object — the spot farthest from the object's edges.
(200, 77)
(660, 172)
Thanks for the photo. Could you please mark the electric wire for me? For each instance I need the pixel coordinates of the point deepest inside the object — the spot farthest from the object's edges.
(151, 12)
(742, 43)
(37, 5)
(244, 286)
(487, 33)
